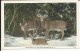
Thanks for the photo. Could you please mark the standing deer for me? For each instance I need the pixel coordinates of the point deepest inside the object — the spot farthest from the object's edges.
(54, 25)
(32, 26)
(29, 26)
(49, 25)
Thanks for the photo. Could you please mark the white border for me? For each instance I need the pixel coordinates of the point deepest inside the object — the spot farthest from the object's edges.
(48, 1)
(43, 0)
(78, 24)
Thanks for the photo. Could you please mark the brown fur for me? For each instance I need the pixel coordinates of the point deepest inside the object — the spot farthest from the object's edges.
(30, 24)
(39, 41)
(48, 25)
(56, 24)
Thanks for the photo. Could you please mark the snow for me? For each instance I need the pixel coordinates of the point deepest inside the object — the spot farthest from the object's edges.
(10, 41)
(31, 29)
(61, 16)
(16, 41)
(55, 30)
(67, 42)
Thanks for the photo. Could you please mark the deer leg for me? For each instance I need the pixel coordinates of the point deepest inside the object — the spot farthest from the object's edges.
(24, 35)
(33, 32)
(47, 34)
(62, 35)
(36, 31)
(27, 34)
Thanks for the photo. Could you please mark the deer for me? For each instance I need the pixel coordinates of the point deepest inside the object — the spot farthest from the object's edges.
(38, 41)
(54, 25)
(29, 26)
(50, 25)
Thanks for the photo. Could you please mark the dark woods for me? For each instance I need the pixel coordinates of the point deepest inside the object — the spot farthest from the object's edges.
(15, 13)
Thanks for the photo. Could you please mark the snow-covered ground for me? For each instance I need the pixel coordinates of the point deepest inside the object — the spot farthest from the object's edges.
(10, 41)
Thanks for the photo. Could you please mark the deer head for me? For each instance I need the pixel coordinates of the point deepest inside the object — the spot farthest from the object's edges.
(40, 15)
